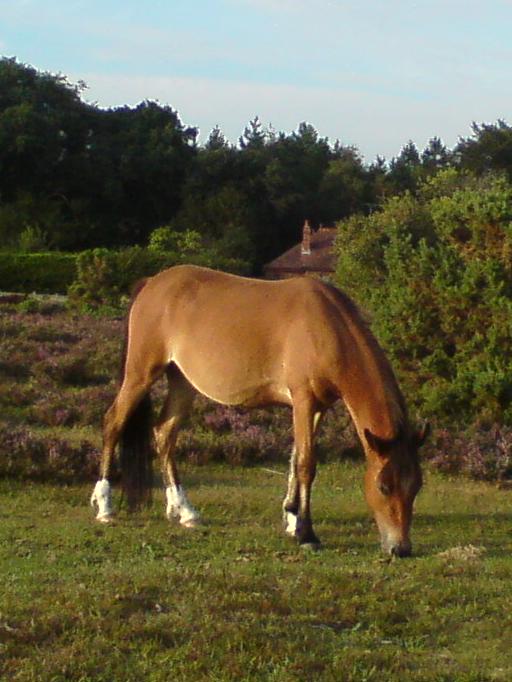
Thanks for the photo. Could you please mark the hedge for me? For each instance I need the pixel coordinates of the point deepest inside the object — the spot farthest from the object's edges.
(97, 276)
(45, 273)
(104, 277)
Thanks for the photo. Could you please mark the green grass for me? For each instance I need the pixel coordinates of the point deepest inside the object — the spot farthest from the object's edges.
(237, 600)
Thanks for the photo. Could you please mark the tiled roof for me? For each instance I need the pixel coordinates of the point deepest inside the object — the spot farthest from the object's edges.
(321, 259)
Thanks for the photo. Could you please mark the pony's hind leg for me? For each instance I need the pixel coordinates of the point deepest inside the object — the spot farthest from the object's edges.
(176, 407)
(128, 399)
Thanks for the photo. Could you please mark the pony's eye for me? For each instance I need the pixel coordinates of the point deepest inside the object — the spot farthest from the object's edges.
(385, 489)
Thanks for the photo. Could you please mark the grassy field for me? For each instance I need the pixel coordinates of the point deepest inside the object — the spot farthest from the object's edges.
(237, 600)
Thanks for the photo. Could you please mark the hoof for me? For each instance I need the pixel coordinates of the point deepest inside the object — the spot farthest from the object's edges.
(105, 518)
(311, 546)
(191, 523)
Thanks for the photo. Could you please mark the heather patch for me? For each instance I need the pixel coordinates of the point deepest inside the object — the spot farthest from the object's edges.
(59, 371)
(53, 409)
(25, 454)
(16, 395)
(484, 454)
(73, 370)
(13, 370)
(55, 368)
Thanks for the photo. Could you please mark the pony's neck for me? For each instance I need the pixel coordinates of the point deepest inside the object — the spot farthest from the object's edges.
(372, 395)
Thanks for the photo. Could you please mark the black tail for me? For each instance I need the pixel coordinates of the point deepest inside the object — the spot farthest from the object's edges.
(136, 451)
(136, 446)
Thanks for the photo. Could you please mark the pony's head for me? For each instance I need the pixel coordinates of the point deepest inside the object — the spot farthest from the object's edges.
(393, 479)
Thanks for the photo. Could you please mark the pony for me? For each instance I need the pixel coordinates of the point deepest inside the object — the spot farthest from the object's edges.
(298, 342)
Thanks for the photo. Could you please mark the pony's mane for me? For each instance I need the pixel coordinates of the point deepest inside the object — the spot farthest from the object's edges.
(361, 321)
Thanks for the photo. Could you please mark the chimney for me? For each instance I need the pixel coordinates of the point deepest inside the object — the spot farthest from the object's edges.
(305, 247)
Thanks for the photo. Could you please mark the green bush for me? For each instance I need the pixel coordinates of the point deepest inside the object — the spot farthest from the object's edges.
(51, 272)
(98, 276)
(32, 240)
(435, 272)
(166, 239)
(104, 277)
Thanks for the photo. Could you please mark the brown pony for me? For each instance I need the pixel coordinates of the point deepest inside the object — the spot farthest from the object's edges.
(239, 341)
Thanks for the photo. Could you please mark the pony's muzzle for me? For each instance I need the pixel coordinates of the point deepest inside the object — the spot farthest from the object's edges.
(401, 550)
(394, 541)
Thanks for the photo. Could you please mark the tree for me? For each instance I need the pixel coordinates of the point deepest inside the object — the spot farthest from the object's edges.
(92, 177)
(253, 136)
(489, 148)
(345, 188)
(404, 170)
(145, 154)
(292, 180)
(216, 140)
(44, 129)
(435, 156)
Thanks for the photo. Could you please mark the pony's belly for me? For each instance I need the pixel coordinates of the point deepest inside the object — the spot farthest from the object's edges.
(255, 395)
(236, 389)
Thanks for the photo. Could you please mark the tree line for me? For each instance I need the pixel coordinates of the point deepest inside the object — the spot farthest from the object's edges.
(75, 176)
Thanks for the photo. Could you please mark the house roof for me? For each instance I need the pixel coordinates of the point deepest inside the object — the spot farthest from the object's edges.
(315, 254)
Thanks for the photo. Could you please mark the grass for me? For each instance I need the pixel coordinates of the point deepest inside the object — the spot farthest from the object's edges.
(237, 600)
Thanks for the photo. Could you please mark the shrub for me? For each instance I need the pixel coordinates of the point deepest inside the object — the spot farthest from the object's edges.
(50, 272)
(40, 305)
(32, 239)
(104, 277)
(72, 370)
(165, 239)
(54, 410)
(435, 272)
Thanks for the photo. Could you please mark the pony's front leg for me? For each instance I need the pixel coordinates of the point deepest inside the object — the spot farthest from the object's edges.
(305, 421)
(291, 500)
(177, 404)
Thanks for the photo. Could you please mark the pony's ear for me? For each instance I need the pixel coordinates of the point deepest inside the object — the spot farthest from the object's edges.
(421, 436)
(380, 445)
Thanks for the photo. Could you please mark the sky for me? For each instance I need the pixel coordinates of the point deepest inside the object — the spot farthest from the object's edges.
(371, 74)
